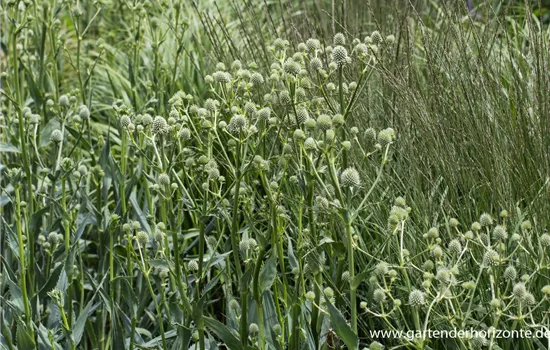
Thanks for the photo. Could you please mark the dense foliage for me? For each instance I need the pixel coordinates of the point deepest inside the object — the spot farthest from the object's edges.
(177, 179)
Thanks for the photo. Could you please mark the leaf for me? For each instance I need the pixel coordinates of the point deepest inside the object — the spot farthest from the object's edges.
(82, 221)
(268, 273)
(8, 148)
(341, 327)
(46, 133)
(78, 328)
(83, 142)
(142, 218)
(24, 338)
(16, 296)
(231, 340)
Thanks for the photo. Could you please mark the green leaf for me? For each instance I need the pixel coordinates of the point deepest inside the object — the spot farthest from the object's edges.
(78, 328)
(8, 148)
(268, 273)
(341, 327)
(46, 133)
(231, 340)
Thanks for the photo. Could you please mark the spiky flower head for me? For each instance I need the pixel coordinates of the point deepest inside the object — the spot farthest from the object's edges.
(143, 238)
(376, 37)
(164, 179)
(381, 268)
(340, 55)
(476, 226)
(499, 233)
(510, 273)
(160, 126)
(84, 112)
(491, 258)
(529, 299)
(316, 63)
(386, 136)
(233, 303)
(299, 134)
(237, 124)
(193, 265)
(310, 144)
(301, 115)
(313, 44)
(64, 101)
(322, 203)
(291, 67)
(379, 295)
(56, 136)
(370, 135)
(416, 298)
(324, 122)
(526, 225)
(453, 222)
(455, 247)
(339, 39)
(244, 245)
(350, 178)
(486, 219)
(519, 290)
(253, 328)
(222, 77)
(185, 134)
(264, 113)
(545, 240)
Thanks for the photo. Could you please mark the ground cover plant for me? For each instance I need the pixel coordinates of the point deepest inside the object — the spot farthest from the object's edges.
(179, 179)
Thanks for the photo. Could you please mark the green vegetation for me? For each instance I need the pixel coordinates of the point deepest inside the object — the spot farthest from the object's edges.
(273, 175)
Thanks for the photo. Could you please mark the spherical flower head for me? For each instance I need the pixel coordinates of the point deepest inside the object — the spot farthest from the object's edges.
(503, 213)
(220, 66)
(250, 108)
(213, 173)
(350, 178)
(264, 114)
(491, 258)
(370, 135)
(526, 225)
(193, 265)
(455, 247)
(280, 44)
(339, 39)
(545, 240)
(340, 55)
(379, 295)
(299, 134)
(53, 238)
(433, 233)
(253, 328)
(437, 252)
(185, 134)
(56, 136)
(500, 233)
(453, 222)
(291, 67)
(142, 238)
(301, 115)
(252, 243)
(529, 299)
(222, 77)
(376, 37)
(486, 219)
(160, 126)
(284, 97)
(386, 136)
(316, 63)
(390, 39)
(146, 119)
(324, 122)
(546, 290)
(310, 144)
(428, 265)
(416, 298)
(338, 120)
(313, 44)
(381, 268)
(510, 273)
(64, 101)
(164, 179)
(322, 203)
(310, 296)
(125, 121)
(346, 145)
(237, 124)
(519, 290)
(84, 112)
(476, 226)
(256, 79)
(329, 292)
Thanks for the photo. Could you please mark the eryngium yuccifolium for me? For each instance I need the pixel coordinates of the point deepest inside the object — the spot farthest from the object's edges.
(376, 37)
(237, 124)
(160, 126)
(370, 135)
(222, 77)
(256, 79)
(453, 222)
(499, 233)
(56, 136)
(386, 136)
(546, 290)
(510, 273)
(146, 119)
(264, 113)
(519, 290)
(253, 328)
(310, 296)
(545, 240)
(310, 144)
(64, 101)
(338, 120)
(322, 203)
(233, 304)
(476, 226)
(486, 219)
(213, 173)
(390, 39)
(142, 238)
(291, 67)
(350, 178)
(379, 295)
(339, 39)
(164, 179)
(84, 112)
(340, 55)
(491, 258)
(529, 299)
(503, 213)
(316, 63)
(324, 122)
(185, 134)
(244, 245)
(455, 247)
(416, 298)
(345, 277)
(299, 134)
(250, 108)
(329, 292)
(313, 44)
(125, 121)
(428, 265)
(193, 265)
(301, 115)
(526, 225)
(381, 268)
(284, 97)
